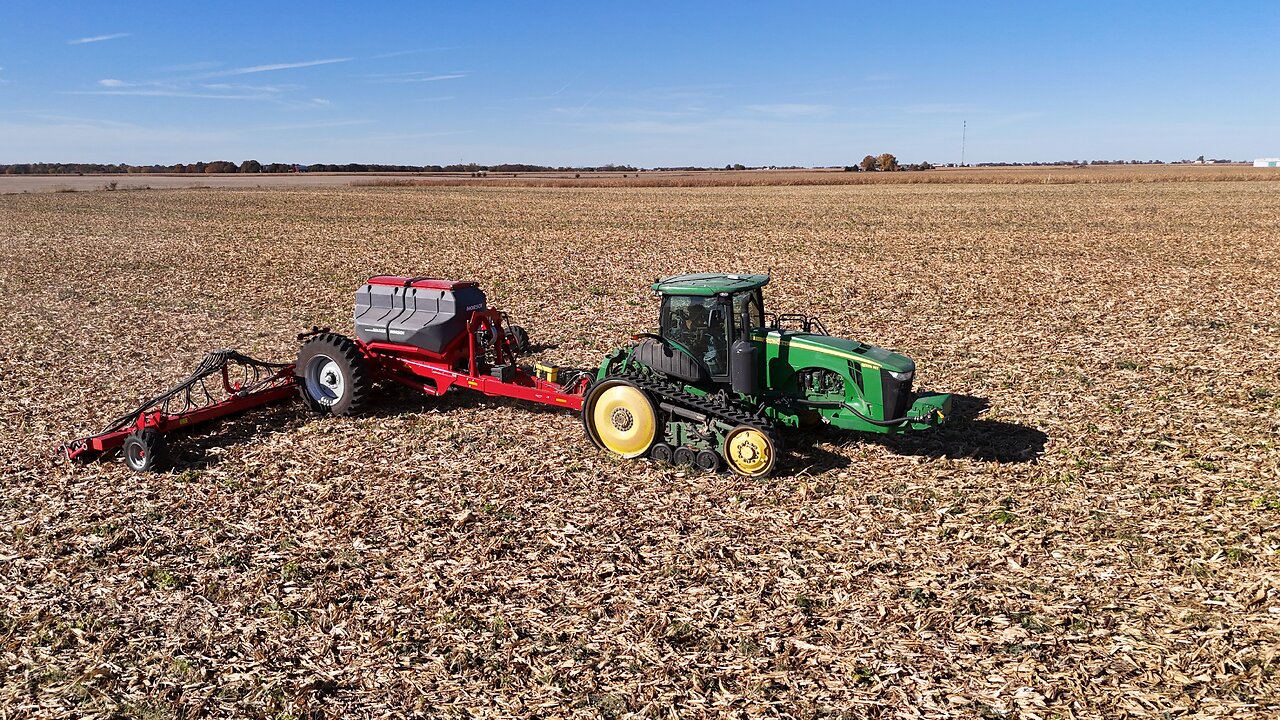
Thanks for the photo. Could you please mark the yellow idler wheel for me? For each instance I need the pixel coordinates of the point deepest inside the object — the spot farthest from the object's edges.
(620, 418)
(749, 452)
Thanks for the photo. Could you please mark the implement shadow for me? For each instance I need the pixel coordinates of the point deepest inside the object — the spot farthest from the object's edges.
(200, 448)
(964, 436)
(392, 399)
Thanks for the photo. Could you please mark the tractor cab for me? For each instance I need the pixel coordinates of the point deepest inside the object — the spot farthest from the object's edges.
(710, 317)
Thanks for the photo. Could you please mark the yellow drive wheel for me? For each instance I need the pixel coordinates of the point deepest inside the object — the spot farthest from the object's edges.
(749, 451)
(620, 418)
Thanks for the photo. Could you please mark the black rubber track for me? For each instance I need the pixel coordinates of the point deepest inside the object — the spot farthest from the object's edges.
(725, 414)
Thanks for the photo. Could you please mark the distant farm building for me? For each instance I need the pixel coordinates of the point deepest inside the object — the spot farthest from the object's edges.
(1267, 162)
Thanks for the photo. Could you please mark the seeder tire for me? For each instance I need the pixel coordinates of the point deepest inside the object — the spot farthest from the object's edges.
(519, 338)
(143, 450)
(333, 375)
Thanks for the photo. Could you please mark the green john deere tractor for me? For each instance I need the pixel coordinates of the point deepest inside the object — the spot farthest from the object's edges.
(722, 378)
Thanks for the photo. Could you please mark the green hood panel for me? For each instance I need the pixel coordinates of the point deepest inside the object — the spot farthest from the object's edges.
(868, 355)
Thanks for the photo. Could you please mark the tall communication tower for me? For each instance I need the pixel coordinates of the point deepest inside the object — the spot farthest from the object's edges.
(964, 132)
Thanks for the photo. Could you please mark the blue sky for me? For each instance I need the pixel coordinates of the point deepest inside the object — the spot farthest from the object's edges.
(649, 84)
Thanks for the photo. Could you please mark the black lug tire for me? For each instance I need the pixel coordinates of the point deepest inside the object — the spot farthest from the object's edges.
(707, 461)
(685, 456)
(349, 362)
(143, 450)
(662, 452)
(519, 338)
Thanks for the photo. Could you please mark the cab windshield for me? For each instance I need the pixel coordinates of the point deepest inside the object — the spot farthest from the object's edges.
(699, 324)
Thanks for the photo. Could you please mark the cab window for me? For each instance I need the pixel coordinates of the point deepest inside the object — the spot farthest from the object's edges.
(755, 313)
(699, 324)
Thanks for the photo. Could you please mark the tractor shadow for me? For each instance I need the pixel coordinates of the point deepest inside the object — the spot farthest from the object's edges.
(965, 436)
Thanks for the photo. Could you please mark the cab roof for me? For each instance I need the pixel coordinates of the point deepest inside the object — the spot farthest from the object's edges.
(707, 284)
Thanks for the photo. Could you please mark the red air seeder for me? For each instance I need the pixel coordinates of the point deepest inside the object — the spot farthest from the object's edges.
(473, 360)
(481, 358)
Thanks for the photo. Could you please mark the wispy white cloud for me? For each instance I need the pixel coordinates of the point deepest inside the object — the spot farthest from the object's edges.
(253, 88)
(401, 53)
(276, 66)
(313, 126)
(174, 94)
(427, 78)
(97, 38)
(413, 76)
(186, 89)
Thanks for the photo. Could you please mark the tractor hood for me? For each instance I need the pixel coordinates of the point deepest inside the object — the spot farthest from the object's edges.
(863, 353)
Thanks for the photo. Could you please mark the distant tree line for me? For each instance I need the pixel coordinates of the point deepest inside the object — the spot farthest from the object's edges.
(253, 166)
(1057, 163)
(885, 162)
(1061, 163)
(217, 166)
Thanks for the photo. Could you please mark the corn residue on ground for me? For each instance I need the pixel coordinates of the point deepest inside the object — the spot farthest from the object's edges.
(1095, 534)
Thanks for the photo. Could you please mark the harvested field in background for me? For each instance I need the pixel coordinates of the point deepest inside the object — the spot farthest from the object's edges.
(1094, 535)
(1045, 175)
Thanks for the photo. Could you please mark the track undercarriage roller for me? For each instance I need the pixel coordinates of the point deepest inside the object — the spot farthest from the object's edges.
(620, 417)
(333, 376)
(705, 460)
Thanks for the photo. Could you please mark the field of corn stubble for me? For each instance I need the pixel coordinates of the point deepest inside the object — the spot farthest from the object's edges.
(1096, 534)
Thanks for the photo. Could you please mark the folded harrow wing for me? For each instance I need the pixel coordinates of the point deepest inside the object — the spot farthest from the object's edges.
(226, 382)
